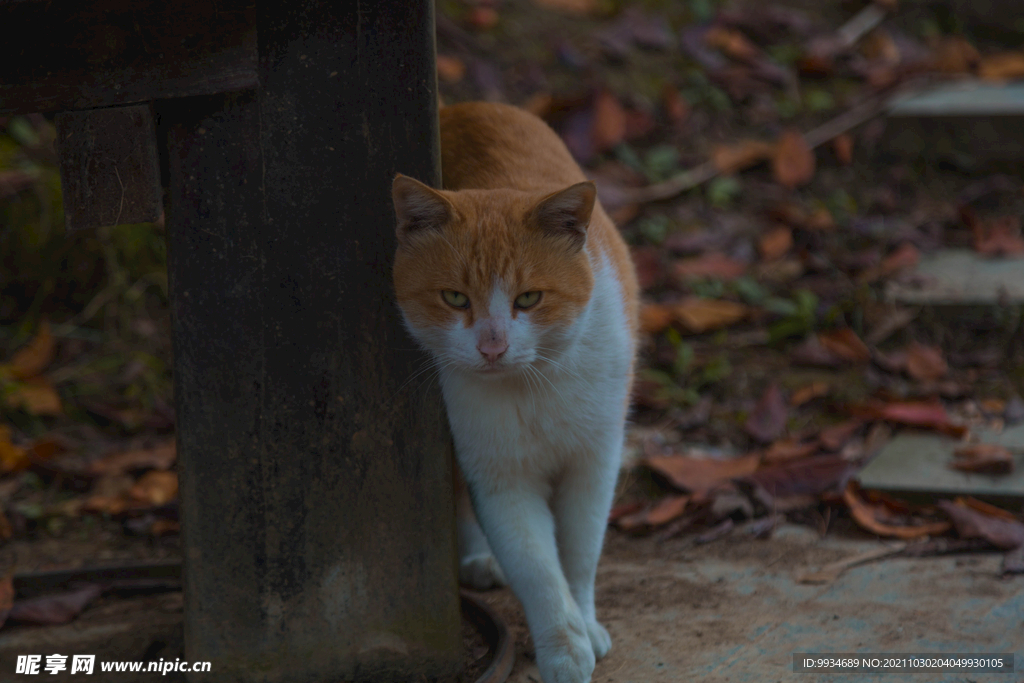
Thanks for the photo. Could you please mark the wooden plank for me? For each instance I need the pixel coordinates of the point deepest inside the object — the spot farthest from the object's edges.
(103, 53)
(315, 476)
(109, 167)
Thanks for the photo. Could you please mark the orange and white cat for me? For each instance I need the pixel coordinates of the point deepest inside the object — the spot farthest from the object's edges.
(523, 292)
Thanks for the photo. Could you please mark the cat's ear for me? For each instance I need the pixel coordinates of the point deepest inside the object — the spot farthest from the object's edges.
(418, 207)
(567, 212)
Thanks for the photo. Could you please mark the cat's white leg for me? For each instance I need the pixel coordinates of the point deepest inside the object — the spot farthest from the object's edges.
(477, 566)
(521, 529)
(581, 506)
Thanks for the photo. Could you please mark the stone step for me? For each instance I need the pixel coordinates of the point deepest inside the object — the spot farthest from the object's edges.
(971, 123)
(915, 466)
(961, 277)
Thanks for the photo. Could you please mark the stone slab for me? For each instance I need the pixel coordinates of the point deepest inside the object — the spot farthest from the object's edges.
(915, 465)
(961, 277)
(970, 123)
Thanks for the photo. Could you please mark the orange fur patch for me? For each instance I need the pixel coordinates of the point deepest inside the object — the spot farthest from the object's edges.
(498, 163)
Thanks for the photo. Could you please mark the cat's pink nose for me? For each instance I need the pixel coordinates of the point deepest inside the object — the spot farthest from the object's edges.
(492, 350)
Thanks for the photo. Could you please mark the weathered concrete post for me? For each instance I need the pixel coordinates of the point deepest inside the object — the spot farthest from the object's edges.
(316, 495)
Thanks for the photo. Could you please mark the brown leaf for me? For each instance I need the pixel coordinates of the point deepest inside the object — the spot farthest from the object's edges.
(156, 488)
(732, 43)
(701, 474)
(609, 127)
(450, 69)
(986, 508)
(1000, 237)
(806, 476)
(788, 449)
(905, 256)
(12, 458)
(675, 106)
(846, 344)
(58, 608)
(159, 457)
(842, 145)
(809, 392)
(954, 55)
(775, 243)
(714, 265)
(1003, 66)
(650, 270)
(164, 527)
(983, 458)
(6, 532)
(6, 597)
(875, 518)
(700, 315)
(35, 356)
(926, 363)
(972, 523)
(655, 317)
(482, 18)
(930, 415)
(35, 396)
(793, 163)
(835, 437)
(813, 353)
(623, 509)
(767, 421)
(666, 510)
(740, 156)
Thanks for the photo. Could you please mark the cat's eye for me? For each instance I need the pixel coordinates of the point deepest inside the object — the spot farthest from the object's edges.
(527, 299)
(456, 299)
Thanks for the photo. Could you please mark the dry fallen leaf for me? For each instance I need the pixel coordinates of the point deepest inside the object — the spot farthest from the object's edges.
(874, 517)
(809, 476)
(12, 458)
(6, 597)
(842, 145)
(930, 415)
(159, 457)
(701, 474)
(845, 344)
(713, 264)
(970, 522)
(58, 608)
(1003, 66)
(700, 315)
(788, 449)
(809, 392)
(983, 458)
(36, 396)
(666, 510)
(732, 43)
(926, 363)
(675, 106)
(835, 437)
(793, 163)
(999, 237)
(775, 243)
(609, 127)
(740, 156)
(156, 487)
(655, 317)
(450, 69)
(648, 264)
(767, 421)
(953, 54)
(35, 356)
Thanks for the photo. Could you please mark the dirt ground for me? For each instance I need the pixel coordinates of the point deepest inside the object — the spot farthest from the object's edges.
(731, 610)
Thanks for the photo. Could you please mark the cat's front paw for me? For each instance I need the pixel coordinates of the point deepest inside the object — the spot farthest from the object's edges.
(481, 572)
(599, 639)
(566, 656)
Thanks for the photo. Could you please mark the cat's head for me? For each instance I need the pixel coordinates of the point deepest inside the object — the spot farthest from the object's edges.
(491, 281)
